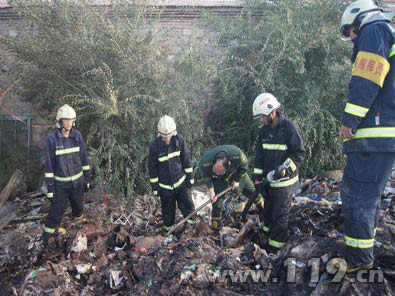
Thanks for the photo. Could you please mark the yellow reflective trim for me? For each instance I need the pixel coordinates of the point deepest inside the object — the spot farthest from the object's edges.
(265, 228)
(49, 230)
(275, 244)
(155, 192)
(392, 51)
(169, 156)
(285, 183)
(356, 110)
(175, 185)
(67, 179)
(372, 67)
(292, 164)
(373, 132)
(50, 194)
(260, 202)
(67, 151)
(281, 147)
(374, 231)
(359, 243)
(62, 230)
(188, 170)
(216, 218)
(49, 175)
(258, 171)
(154, 180)
(192, 181)
(86, 168)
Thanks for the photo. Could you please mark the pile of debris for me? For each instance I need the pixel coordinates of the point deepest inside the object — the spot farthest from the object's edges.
(115, 250)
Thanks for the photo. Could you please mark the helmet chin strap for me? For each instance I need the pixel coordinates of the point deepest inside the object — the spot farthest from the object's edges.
(62, 128)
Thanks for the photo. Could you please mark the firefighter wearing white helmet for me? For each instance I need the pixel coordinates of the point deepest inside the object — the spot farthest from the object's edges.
(170, 171)
(368, 127)
(67, 171)
(279, 151)
(357, 14)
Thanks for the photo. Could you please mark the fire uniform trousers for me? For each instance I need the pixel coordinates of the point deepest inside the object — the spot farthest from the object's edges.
(66, 171)
(171, 177)
(237, 171)
(273, 147)
(370, 111)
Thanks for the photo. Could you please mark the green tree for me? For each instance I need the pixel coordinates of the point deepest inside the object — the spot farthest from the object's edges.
(106, 67)
(292, 49)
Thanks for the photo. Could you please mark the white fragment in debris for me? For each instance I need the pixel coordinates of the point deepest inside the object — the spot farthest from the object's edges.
(388, 190)
(116, 279)
(117, 249)
(31, 245)
(199, 198)
(377, 244)
(186, 275)
(80, 243)
(297, 263)
(325, 258)
(83, 268)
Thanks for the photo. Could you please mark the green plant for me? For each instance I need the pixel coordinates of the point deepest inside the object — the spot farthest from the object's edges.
(293, 51)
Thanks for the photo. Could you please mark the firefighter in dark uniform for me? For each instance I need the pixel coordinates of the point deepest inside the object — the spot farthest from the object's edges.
(170, 171)
(67, 171)
(368, 127)
(225, 166)
(279, 153)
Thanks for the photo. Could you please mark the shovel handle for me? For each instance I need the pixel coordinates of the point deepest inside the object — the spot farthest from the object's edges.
(203, 205)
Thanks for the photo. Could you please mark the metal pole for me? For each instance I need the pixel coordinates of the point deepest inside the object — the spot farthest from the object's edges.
(28, 137)
(15, 136)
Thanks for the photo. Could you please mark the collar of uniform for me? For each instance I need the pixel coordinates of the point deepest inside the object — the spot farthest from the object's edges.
(60, 135)
(281, 118)
(162, 143)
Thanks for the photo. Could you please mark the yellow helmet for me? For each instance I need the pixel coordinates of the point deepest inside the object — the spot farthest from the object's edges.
(167, 126)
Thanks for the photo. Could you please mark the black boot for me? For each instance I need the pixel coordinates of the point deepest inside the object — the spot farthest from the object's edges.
(45, 237)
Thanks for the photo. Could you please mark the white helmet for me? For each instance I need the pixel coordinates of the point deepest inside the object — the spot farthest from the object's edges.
(167, 126)
(65, 112)
(353, 12)
(264, 104)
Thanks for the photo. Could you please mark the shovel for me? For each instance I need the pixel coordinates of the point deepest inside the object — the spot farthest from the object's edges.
(203, 205)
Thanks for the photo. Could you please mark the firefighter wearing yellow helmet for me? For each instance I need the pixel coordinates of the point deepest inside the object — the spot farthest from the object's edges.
(67, 170)
(368, 127)
(279, 152)
(170, 171)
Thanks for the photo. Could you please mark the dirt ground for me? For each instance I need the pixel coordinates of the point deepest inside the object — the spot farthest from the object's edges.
(119, 250)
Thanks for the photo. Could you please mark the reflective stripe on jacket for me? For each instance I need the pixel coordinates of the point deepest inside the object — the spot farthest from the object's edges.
(66, 159)
(275, 145)
(169, 165)
(370, 107)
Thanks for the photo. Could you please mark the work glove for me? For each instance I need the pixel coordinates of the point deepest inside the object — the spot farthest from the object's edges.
(281, 172)
(87, 186)
(188, 183)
